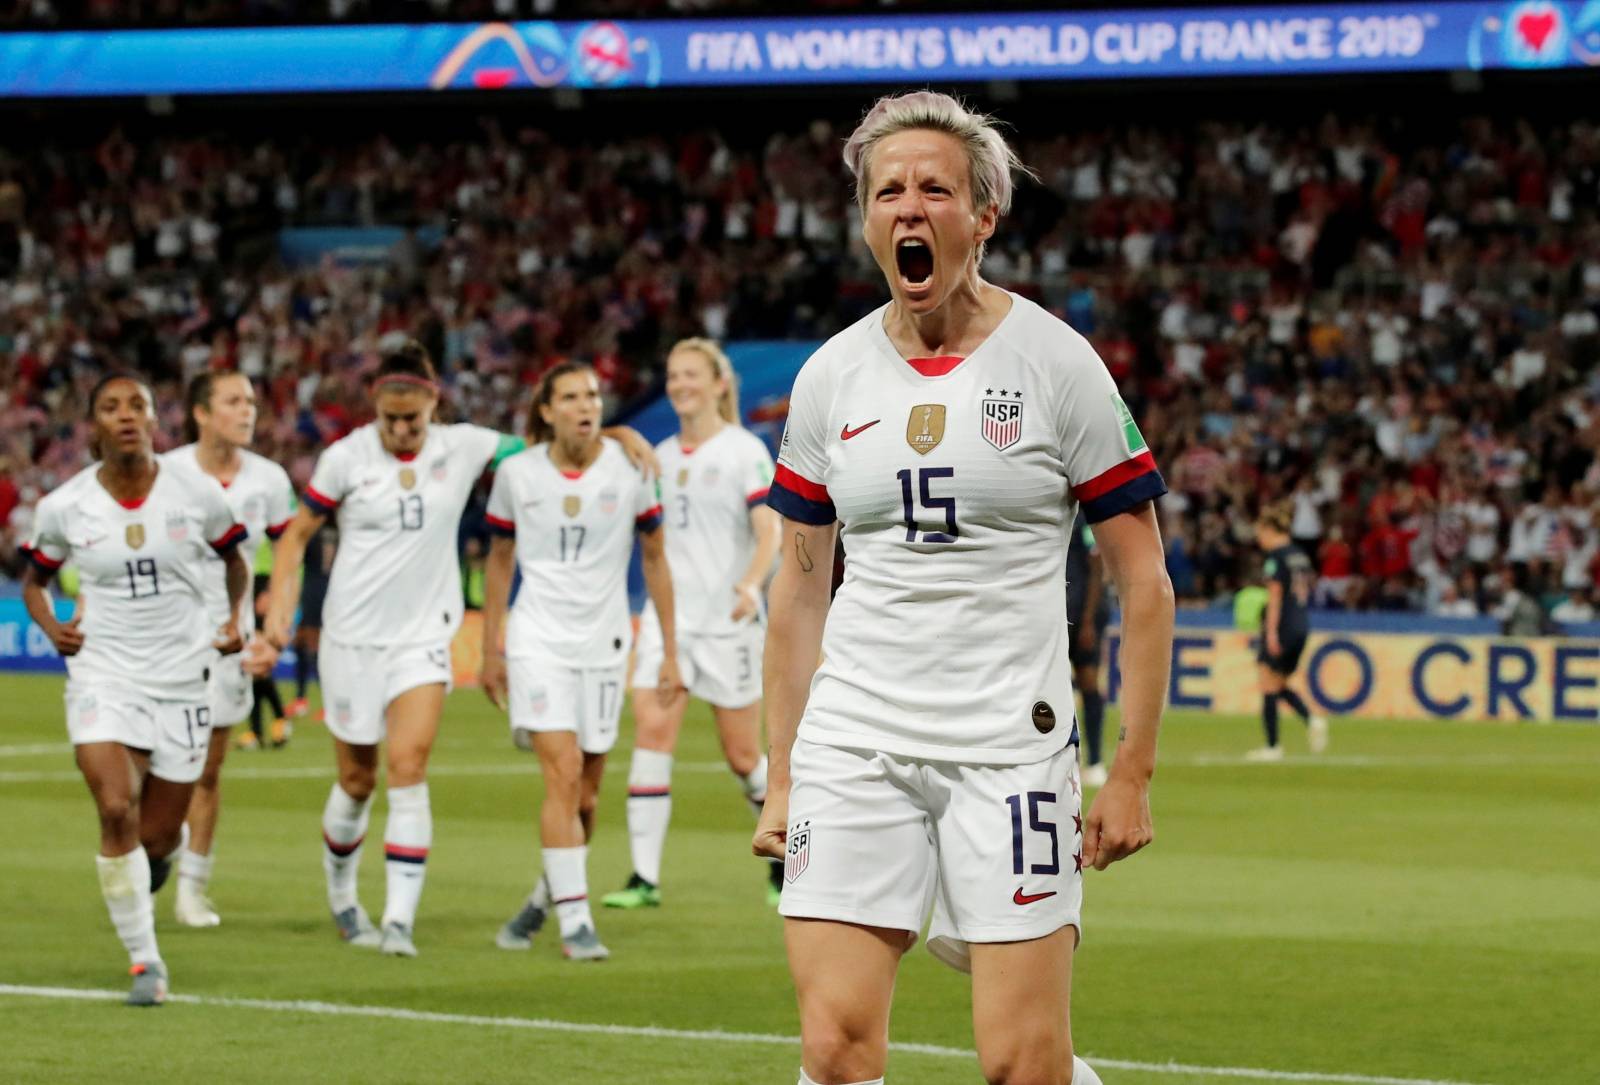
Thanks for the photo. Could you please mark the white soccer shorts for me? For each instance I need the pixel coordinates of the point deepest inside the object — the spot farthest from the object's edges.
(995, 850)
(230, 691)
(358, 682)
(722, 671)
(547, 695)
(175, 733)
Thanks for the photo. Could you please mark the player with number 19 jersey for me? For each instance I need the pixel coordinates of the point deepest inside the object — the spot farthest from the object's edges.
(956, 481)
(395, 579)
(143, 570)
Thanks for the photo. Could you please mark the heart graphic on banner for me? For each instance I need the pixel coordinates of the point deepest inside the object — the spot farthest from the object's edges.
(1535, 29)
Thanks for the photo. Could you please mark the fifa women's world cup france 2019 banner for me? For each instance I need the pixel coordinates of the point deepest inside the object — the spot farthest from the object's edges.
(609, 54)
(1392, 675)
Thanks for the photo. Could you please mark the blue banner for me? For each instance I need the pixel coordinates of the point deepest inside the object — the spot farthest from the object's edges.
(846, 49)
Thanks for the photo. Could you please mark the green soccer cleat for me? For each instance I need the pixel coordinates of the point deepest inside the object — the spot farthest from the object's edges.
(638, 893)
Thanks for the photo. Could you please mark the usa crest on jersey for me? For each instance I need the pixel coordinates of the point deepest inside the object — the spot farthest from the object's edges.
(1002, 422)
(798, 855)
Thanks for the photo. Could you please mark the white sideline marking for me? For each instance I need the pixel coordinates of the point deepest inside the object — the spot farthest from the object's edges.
(541, 1024)
(35, 749)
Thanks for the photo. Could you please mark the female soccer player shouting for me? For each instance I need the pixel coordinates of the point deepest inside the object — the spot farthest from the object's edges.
(220, 425)
(721, 542)
(565, 512)
(928, 761)
(140, 648)
(397, 486)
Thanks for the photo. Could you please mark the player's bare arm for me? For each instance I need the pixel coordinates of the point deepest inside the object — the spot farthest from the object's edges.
(66, 636)
(766, 526)
(658, 582)
(1119, 820)
(497, 572)
(237, 576)
(287, 557)
(1269, 624)
(797, 608)
(640, 452)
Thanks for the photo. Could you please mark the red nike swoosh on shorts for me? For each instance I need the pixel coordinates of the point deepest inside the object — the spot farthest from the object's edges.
(846, 433)
(1019, 897)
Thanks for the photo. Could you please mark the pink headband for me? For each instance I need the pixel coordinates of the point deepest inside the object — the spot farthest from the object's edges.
(407, 378)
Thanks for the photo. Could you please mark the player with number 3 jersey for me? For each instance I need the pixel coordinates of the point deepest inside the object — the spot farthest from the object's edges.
(566, 513)
(140, 648)
(929, 762)
(721, 542)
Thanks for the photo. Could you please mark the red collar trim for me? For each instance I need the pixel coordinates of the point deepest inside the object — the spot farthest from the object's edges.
(935, 367)
(570, 476)
(405, 457)
(134, 504)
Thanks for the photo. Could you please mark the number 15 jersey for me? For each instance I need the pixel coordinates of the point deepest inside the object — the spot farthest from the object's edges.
(956, 482)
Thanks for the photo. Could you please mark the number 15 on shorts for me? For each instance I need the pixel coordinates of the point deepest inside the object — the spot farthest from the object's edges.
(1033, 801)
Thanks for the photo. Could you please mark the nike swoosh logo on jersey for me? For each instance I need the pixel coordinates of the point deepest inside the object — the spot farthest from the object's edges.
(846, 433)
(1019, 897)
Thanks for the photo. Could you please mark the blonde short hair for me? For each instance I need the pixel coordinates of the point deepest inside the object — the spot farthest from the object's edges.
(990, 159)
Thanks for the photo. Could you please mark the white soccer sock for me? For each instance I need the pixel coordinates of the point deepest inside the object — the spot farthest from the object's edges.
(405, 847)
(195, 869)
(540, 897)
(755, 785)
(804, 1080)
(125, 885)
(1083, 1073)
(649, 811)
(344, 826)
(564, 869)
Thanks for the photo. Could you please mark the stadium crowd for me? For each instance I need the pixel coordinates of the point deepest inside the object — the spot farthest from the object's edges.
(1396, 328)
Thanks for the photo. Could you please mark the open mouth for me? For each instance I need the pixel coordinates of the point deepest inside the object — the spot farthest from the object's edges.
(914, 260)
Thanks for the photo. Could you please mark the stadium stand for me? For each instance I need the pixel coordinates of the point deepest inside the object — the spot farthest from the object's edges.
(1396, 327)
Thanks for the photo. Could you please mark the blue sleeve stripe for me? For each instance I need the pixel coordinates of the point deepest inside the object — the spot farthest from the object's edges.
(1130, 494)
(800, 509)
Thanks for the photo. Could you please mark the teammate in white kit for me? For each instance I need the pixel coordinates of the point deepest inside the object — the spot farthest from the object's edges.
(928, 761)
(397, 487)
(721, 542)
(139, 647)
(220, 425)
(565, 513)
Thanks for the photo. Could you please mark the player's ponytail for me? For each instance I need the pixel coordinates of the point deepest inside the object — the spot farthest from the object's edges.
(540, 431)
(721, 367)
(197, 395)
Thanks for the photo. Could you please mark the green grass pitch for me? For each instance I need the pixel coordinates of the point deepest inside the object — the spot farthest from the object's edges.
(1419, 904)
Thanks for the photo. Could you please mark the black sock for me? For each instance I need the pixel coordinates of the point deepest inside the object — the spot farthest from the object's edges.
(1269, 717)
(1094, 719)
(159, 870)
(302, 672)
(268, 688)
(255, 718)
(1294, 701)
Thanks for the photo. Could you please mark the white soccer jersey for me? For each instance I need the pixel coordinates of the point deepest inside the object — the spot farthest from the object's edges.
(706, 498)
(142, 574)
(956, 482)
(396, 578)
(574, 538)
(262, 498)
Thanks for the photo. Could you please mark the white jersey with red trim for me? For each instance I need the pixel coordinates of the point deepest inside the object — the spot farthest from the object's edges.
(262, 499)
(574, 536)
(142, 572)
(956, 481)
(706, 496)
(396, 578)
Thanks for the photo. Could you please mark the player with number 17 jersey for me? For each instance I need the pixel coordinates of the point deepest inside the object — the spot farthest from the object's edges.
(956, 481)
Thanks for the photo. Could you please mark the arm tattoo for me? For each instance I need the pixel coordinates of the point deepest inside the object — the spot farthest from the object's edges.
(1122, 733)
(800, 555)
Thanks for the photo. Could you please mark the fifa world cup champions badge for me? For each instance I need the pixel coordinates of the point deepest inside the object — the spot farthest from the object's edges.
(925, 427)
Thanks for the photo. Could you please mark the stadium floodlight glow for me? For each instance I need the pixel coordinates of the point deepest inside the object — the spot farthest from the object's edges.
(605, 54)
